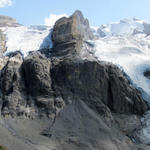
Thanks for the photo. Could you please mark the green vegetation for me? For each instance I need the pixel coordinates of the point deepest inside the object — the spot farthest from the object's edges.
(3, 148)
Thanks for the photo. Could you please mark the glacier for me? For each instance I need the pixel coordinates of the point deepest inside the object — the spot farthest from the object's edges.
(27, 39)
(127, 44)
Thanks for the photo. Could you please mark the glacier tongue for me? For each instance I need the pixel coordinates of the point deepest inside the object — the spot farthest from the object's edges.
(26, 39)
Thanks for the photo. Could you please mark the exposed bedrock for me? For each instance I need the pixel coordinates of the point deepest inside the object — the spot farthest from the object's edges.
(97, 83)
(69, 33)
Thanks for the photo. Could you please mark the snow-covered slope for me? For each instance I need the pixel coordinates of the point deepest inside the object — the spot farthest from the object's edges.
(26, 39)
(123, 28)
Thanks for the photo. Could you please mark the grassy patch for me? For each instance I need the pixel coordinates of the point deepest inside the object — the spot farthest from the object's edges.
(3, 147)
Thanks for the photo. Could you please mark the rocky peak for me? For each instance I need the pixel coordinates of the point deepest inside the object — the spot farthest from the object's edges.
(6, 21)
(83, 26)
(70, 32)
(76, 27)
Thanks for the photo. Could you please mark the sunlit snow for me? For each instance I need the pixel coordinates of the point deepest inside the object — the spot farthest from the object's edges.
(124, 27)
(26, 39)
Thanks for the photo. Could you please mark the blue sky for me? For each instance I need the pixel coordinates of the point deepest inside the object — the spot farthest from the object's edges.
(31, 12)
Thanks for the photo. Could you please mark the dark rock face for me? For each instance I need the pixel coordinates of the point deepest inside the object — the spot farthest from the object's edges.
(102, 86)
(147, 74)
(36, 72)
(97, 83)
(12, 87)
(27, 85)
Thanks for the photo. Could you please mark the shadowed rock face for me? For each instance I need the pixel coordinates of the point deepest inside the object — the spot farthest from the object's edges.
(97, 84)
(36, 73)
(85, 100)
(147, 74)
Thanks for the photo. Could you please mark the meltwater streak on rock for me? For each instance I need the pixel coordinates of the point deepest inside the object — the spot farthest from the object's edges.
(82, 99)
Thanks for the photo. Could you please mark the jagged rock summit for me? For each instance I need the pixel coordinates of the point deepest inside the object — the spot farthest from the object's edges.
(72, 28)
(82, 101)
(69, 34)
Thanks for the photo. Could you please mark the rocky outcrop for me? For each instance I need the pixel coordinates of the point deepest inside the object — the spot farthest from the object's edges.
(69, 33)
(97, 84)
(12, 87)
(36, 72)
(6, 21)
(147, 73)
(26, 86)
